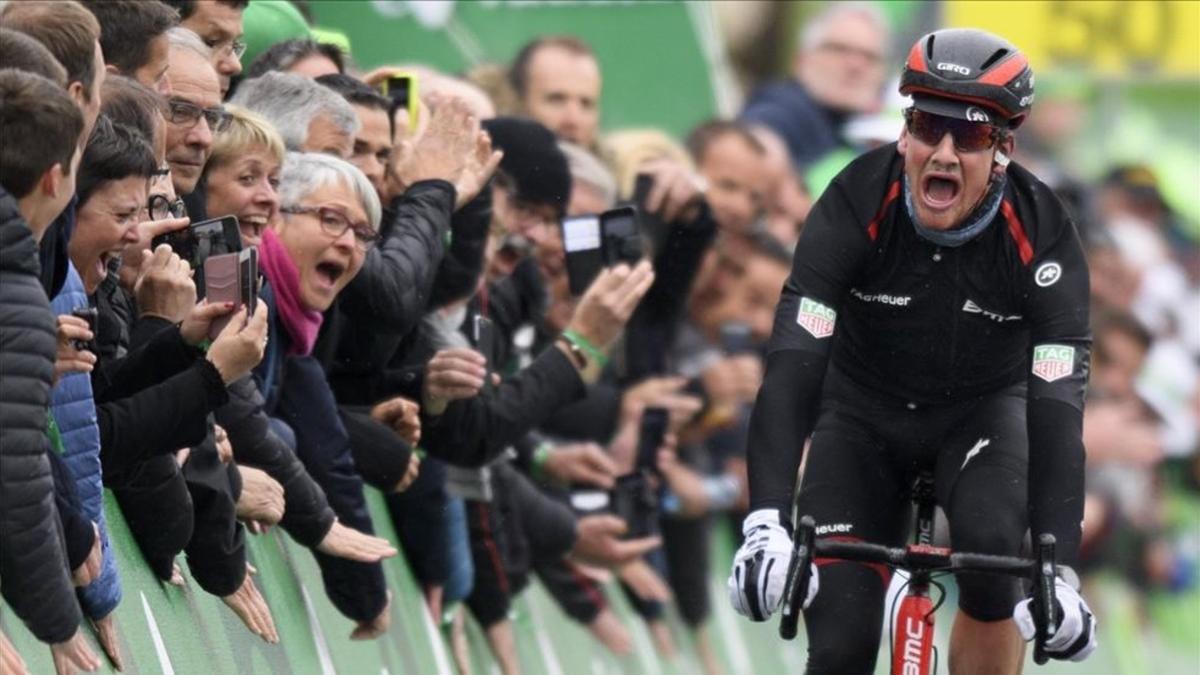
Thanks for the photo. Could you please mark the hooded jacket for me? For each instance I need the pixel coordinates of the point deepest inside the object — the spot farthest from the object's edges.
(33, 564)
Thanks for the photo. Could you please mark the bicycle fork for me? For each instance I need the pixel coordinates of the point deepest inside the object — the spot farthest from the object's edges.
(912, 639)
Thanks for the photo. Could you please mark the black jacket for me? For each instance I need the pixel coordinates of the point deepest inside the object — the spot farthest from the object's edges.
(33, 563)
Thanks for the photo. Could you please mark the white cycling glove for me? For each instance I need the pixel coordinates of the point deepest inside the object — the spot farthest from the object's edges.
(760, 567)
(1076, 635)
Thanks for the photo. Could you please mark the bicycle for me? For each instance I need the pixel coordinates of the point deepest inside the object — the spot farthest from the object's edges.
(912, 646)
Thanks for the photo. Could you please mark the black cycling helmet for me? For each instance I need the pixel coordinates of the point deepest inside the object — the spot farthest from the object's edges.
(972, 69)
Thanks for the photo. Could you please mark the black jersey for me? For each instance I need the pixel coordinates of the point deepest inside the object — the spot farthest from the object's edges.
(925, 325)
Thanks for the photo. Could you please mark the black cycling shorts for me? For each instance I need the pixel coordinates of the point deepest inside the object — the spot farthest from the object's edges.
(865, 455)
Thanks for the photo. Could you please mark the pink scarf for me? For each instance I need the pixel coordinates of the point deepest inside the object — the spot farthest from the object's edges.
(300, 323)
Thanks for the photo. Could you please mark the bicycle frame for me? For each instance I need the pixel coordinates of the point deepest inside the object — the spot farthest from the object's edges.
(913, 639)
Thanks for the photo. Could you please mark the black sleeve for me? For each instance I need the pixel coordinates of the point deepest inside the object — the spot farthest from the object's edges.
(392, 288)
(461, 268)
(591, 418)
(474, 431)
(829, 253)
(216, 553)
(154, 499)
(307, 516)
(77, 529)
(380, 456)
(163, 354)
(160, 419)
(1057, 308)
(553, 522)
(651, 330)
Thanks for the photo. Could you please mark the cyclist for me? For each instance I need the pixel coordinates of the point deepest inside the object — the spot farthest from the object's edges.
(936, 318)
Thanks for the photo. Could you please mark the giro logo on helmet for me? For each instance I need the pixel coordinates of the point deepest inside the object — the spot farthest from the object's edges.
(954, 68)
(977, 115)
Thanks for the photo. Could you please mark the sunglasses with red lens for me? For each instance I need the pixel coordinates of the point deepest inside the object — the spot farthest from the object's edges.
(968, 136)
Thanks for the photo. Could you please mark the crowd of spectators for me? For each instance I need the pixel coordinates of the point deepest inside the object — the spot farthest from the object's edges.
(387, 234)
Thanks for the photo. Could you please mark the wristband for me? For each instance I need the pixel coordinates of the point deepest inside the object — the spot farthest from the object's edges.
(538, 463)
(579, 341)
(574, 352)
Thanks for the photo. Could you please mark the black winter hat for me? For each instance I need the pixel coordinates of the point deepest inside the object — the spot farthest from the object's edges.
(532, 159)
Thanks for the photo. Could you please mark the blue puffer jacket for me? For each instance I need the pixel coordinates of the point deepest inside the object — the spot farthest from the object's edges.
(75, 412)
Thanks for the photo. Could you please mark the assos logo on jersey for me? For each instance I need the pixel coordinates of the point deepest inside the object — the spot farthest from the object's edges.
(1053, 362)
(816, 318)
(1047, 274)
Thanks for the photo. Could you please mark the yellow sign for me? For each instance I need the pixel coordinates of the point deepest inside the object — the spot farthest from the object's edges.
(1106, 37)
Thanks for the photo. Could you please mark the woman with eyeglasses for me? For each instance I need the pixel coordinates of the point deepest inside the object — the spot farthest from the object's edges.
(242, 173)
(330, 214)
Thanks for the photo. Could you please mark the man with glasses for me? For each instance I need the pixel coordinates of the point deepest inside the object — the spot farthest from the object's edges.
(936, 318)
(193, 110)
(219, 25)
(838, 71)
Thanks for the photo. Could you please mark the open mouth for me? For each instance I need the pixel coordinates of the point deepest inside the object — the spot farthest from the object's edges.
(940, 190)
(253, 225)
(330, 271)
(107, 260)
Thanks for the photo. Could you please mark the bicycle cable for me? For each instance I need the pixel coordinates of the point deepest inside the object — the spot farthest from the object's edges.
(933, 581)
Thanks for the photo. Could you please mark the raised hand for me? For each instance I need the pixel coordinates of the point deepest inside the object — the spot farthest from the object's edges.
(451, 375)
(410, 473)
(402, 415)
(481, 164)
(252, 609)
(261, 501)
(348, 543)
(72, 329)
(598, 542)
(238, 349)
(442, 152)
(677, 190)
(164, 286)
(581, 463)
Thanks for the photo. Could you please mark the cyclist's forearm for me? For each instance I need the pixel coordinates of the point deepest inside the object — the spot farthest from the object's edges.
(1056, 474)
(783, 417)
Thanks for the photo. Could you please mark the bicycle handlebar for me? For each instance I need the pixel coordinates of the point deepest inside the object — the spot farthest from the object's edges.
(1041, 571)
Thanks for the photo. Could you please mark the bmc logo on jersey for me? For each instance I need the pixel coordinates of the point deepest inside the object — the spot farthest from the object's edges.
(816, 318)
(954, 68)
(1053, 362)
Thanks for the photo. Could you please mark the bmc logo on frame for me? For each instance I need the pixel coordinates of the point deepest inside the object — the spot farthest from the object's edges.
(1053, 362)
(914, 635)
(816, 318)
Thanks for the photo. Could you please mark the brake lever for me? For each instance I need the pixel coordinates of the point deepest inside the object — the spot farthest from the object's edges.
(799, 570)
(1045, 604)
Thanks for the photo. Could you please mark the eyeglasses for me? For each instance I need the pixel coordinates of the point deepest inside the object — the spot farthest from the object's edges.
(188, 114)
(161, 208)
(234, 47)
(968, 136)
(335, 223)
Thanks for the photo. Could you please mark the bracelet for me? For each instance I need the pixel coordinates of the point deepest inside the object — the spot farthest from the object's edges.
(538, 462)
(578, 340)
(574, 353)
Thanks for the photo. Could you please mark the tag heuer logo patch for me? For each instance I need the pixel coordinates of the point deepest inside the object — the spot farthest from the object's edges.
(1053, 362)
(816, 318)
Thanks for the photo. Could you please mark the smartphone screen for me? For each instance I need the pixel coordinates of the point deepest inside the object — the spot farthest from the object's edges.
(620, 238)
(222, 272)
(635, 501)
(581, 243)
(248, 279)
(650, 437)
(401, 88)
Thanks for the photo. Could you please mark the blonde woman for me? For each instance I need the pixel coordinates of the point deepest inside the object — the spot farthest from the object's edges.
(243, 172)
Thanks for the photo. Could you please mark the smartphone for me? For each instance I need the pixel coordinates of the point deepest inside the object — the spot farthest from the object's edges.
(620, 239)
(221, 273)
(635, 501)
(650, 437)
(401, 88)
(581, 244)
(196, 242)
(650, 223)
(484, 335)
(248, 279)
(737, 338)
(92, 316)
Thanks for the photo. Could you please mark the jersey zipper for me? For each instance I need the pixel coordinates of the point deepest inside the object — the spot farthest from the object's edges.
(954, 322)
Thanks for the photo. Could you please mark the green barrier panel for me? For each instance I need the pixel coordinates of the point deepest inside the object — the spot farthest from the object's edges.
(170, 630)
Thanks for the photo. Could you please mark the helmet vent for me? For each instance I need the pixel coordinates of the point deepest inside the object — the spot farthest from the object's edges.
(996, 56)
(929, 48)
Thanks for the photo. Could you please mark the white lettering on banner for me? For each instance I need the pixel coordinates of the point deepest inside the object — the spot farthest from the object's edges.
(838, 528)
(816, 318)
(970, 307)
(954, 68)
(914, 631)
(882, 298)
